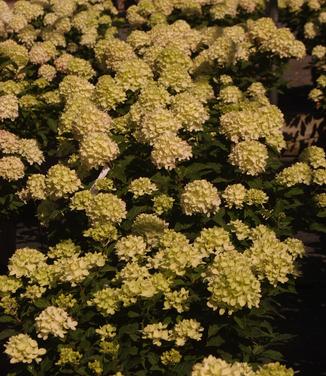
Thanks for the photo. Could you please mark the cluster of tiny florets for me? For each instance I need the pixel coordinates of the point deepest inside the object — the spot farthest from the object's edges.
(200, 197)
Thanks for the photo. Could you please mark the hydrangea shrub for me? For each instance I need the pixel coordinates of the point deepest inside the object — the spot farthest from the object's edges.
(169, 215)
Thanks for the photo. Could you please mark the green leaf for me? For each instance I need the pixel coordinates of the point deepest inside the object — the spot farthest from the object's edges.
(212, 330)
(152, 358)
(128, 329)
(321, 214)
(32, 371)
(52, 124)
(218, 218)
(133, 350)
(240, 322)
(41, 303)
(7, 333)
(272, 355)
(215, 341)
(317, 227)
(7, 319)
(132, 314)
(46, 365)
(294, 192)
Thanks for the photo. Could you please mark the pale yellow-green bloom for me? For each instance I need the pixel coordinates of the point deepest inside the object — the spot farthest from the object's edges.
(250, 157)
(142, 186)
(98, 149)
(232, 283)
(25, 261)
(162, 204)
(11, 168)
(55, 321)
(68, 356)
(274, 369)
(61, 181)
(234, 195)
(200, 197)
(168, 150)
(187, 329)
(172, 356)
(8, 106)
(157, 333)
(96, 367)
(22, 348)
(131, 248)
(298, 173)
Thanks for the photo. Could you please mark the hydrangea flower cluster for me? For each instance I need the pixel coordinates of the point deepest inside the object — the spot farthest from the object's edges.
(14, 149)
(200, 197)
(55, 321)
(23, 349)
(236, 195)
(232, 283)
(212, 366)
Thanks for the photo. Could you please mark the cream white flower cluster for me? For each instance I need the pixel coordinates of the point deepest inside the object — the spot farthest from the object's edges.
(320, 200)
(232, 283)
(157, 12)
(315, 156)
(254, 118)
(55, 321)
(312, 169)
(313, 25)
(162, 203)
(200, 197)
(175, 255)
(299, 172)
(8, 106)
(25, 261)
(21, 348)
(9, 284)
(142, 186)
(75, 269)
(100, 208)
(212, 366)
(171, 357)
(250, 157)
(11, 168)
(277, 41)
(317, 94)
(131, 248)
(236, 195)
(214, 240)
(273, 259)
(65, 248)
(42, 273)
(68, 356)
(234, 278)
(14, 148)
(59, 182)
(182, 331)
(238, 43)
